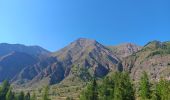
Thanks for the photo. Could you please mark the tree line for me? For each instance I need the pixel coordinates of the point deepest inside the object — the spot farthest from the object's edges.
(6, 93)
(119, 86)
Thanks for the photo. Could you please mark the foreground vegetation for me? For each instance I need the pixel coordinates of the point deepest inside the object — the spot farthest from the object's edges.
(6, 93)
(117, 86)
(120, 87)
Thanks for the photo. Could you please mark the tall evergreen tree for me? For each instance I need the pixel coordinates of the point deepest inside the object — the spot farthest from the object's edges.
(4, 89)
(123, 89)
(21, 96)
(33, 97)
(144, 87)
(128, 89)
(91, 93)
(163, 89)
(27, 96)
(45, 95)
(94, 90)
(10, 95)
(107, 89)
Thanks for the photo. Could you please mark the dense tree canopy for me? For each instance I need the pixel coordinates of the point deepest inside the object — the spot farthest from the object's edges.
(116, 87)
(120, 87)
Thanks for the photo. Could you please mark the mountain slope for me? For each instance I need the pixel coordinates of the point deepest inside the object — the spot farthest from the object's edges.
(15, 57)
(83, 55)
(154, 58)
(13, 63)
(124, 50)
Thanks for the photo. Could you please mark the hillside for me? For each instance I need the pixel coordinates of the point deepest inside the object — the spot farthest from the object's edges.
(124, 50)
(154, 58)
(13, 63)
(15, 57)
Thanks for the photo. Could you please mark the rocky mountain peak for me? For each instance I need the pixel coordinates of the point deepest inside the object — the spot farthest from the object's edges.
(83, 42)
(124, 50)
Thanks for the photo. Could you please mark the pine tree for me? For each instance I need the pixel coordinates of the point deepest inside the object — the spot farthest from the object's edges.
(144, 87)
(4, 90)
(163, 89)
(94, 90)
(107, 89)
(21, 96)
(128, 89)
(91, 93)
(10, 95)
(27, 96)
(123, 89)
(45, 95)
(33, 97)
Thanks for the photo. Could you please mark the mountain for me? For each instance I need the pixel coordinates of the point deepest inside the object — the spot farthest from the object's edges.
(124, 50)
(154, 58)
(12, 64)
(84, 58)
(15, 57)
(68, 70)
(34, 51)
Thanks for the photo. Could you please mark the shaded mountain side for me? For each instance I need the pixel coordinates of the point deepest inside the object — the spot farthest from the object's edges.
(13, 63)
(154, 58)
(124, 50)
(85, 54)
(15, 57)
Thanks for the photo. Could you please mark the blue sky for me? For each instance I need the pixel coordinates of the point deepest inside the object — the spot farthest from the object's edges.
(53, 24)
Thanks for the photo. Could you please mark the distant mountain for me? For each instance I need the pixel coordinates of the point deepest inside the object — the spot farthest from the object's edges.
(13, 63)
(15, 57)
(34, 51)
(154, 58)
(83, 57)
(124, 50)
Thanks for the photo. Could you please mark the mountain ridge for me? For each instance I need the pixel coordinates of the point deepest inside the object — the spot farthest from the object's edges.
(84, 53)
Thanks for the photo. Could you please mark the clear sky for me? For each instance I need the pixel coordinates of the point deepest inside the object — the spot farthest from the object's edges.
(53, 24)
